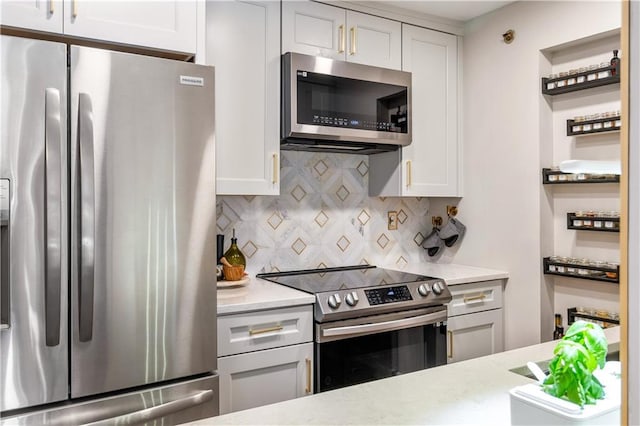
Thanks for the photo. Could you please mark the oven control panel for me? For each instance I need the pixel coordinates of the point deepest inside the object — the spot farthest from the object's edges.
(358, 302)
(379, 296)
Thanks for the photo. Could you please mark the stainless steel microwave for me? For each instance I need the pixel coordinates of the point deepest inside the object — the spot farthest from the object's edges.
(337, 106)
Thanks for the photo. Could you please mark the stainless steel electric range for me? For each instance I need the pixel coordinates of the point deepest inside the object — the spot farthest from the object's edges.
(372, 323)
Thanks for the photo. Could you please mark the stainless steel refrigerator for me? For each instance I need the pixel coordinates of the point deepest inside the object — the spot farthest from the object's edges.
(107, 191)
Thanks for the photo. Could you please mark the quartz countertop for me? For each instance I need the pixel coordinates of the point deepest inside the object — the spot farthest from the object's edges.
(453, 273)
(259, 294)
(475, 391)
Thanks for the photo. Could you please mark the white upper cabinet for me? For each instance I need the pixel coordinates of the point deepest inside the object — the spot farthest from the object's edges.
(166, 25)
(430, 165)
(243, 43)
(374, 41)
(32, 14)
(313, 29)
(322, 30)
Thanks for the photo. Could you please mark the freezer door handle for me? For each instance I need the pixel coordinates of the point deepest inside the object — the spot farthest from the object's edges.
(53, 216)
(86, 217)
(143, 416)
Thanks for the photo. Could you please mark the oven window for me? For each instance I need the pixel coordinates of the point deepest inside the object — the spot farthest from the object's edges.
(332, 101)
(361, 359)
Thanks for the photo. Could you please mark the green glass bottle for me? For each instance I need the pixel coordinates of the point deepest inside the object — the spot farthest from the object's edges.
(233, 255)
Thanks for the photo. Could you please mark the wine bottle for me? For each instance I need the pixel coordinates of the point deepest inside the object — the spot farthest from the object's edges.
(558, 333)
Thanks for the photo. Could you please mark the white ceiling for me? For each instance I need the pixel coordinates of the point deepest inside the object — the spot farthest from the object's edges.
(459, 10)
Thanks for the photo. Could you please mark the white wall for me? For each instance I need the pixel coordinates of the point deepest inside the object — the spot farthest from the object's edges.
(503, 199)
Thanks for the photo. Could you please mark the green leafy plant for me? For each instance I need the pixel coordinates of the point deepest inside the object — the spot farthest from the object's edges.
(576, 356)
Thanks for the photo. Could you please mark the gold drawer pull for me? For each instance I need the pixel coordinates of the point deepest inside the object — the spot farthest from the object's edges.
(265, 330)
(476, 298)
(308, 388)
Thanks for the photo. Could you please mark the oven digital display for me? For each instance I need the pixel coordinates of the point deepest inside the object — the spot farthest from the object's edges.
(380, 296)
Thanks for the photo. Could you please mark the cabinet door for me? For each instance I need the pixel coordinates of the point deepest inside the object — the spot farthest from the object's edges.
(243, 43)
(431, 162)
(265, 377)
(167, 25)
(474, 335)
(374, 41)
(313, 29)
(33, 14)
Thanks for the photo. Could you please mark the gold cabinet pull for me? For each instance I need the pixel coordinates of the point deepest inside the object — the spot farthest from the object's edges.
(341, 41)
(308, 388)
(477, 297)
(408, 173)
(352, 48)
(276, 169)
(51, 8)
(253, 332)
(450, 349)
(74, 8)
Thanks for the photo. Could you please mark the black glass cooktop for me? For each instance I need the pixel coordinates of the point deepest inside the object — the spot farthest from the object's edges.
(343, 278)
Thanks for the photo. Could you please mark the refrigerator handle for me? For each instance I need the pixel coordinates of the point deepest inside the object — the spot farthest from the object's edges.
(53, 216)
(86, 217)
(148, 414)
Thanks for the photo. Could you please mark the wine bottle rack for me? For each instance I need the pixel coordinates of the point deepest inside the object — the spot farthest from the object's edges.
(554, 177)
(593, 223)
(587, 272)
(586, 84)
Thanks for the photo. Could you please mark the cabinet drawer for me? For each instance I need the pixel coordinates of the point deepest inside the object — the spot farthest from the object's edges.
(475, 297)
(254, 331)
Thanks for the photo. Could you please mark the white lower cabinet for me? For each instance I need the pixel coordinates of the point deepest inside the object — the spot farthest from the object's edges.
(475, 326)
(265, 377)
(265, 357)
(474, 335)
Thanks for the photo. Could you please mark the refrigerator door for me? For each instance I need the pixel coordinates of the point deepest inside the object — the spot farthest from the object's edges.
(33, 228)
(143, 224)
(172, 404)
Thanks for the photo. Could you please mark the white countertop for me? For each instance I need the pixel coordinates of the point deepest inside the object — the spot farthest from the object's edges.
(469, 392)
(259, 294)
(452, 273)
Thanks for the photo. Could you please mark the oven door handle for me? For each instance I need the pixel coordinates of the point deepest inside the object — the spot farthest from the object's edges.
(379, 327)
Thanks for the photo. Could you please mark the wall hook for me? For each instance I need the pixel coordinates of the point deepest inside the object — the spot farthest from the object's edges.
(452, 211)
(509, 36)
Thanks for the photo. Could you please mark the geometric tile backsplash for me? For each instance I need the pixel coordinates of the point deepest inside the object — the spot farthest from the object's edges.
(323, 217)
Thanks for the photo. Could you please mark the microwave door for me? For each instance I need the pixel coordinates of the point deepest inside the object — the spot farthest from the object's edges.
(33, 273)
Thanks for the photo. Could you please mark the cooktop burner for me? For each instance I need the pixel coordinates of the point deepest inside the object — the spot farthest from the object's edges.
(360, 290)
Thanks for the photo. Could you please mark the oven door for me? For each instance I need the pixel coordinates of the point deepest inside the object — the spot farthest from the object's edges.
(363, 349)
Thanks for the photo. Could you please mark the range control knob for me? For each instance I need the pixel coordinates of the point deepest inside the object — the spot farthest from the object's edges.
(423, 289)
(352, 299)
(437, 287)
(334, 301)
